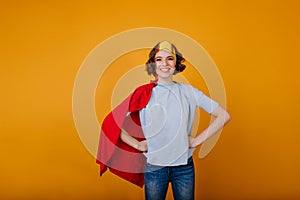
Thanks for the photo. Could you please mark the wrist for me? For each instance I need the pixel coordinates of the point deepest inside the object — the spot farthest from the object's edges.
(138, 146)
(199, 140)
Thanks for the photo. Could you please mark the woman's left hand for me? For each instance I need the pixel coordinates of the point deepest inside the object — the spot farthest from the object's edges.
(192, 142)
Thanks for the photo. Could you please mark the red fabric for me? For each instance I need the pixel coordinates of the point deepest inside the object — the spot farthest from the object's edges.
(121, 159)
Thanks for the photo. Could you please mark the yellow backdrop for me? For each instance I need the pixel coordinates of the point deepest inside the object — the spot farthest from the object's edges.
(255, 45)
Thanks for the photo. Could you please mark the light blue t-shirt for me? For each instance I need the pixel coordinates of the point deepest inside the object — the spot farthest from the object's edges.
(167, 122)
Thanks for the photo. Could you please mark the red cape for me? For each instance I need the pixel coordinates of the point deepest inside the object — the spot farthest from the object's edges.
(121, 159)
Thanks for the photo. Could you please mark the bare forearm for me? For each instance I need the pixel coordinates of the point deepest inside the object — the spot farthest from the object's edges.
(131, 141)
(213, 128)
(125, 137)
(222, 118)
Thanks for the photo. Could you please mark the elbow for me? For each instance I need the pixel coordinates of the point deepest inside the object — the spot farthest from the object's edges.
(222, 115)
(227, 117)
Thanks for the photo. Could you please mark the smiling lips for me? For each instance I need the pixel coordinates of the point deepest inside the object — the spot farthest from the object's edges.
(165, 69)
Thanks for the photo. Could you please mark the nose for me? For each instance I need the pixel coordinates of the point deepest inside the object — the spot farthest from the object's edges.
(165, 62)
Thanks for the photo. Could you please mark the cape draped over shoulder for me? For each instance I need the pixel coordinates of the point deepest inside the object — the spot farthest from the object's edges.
(122, 159)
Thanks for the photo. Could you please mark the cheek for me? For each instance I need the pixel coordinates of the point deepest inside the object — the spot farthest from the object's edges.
(156, 69)
(172, 64)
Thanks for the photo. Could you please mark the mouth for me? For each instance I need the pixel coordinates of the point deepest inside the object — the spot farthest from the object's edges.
(165, 69)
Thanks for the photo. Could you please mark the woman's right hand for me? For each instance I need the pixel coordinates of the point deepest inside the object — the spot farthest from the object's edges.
(142, 146)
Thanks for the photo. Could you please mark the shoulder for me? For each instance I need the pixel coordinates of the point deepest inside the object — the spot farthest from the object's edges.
(188, 88)
(141, 96)
(144, 88)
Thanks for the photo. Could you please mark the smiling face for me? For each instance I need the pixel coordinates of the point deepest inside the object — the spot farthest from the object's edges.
(165, 66)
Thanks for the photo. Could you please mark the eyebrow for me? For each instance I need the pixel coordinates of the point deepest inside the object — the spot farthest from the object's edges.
(161, 56)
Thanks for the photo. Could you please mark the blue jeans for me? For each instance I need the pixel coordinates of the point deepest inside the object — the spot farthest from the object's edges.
(182, 179)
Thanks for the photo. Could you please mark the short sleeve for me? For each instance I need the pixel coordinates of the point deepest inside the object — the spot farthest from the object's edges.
(204, 101)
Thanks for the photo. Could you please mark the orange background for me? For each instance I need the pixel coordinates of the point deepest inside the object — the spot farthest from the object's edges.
(255, 45)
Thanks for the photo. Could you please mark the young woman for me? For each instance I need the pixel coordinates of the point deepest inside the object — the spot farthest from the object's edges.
(166, 122)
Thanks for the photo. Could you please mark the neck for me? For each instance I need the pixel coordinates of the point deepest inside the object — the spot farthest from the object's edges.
(163, 81)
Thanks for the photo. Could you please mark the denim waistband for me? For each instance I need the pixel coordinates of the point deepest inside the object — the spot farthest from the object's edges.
(151, 167)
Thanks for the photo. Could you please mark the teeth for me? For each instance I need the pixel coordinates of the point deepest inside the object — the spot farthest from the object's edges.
(165, 69)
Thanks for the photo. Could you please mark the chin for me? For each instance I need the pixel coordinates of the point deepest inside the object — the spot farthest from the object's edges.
(164, 75)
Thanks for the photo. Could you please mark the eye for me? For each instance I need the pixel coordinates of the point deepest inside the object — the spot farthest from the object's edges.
(171, 58)
(157, 59)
